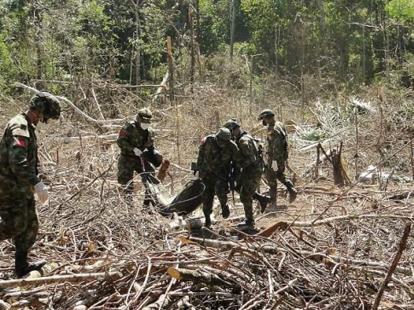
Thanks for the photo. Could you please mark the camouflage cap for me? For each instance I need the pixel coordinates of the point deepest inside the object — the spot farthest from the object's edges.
(223, 134)
(231, 124)
(265, 113)
(47, 104)
(144, 115)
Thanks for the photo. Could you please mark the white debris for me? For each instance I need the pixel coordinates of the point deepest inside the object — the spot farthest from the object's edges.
(372, 174)
(362, 106)
(369, 175)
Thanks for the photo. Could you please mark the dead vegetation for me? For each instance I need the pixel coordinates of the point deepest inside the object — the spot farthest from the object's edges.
(335, 248)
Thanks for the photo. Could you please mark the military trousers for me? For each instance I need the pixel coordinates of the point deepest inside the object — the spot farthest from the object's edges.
(247, 184)
(214, 186)
(273, 176)
(18, 221)
(127, 165)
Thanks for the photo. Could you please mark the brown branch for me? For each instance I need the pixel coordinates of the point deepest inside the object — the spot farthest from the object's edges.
(394, 264)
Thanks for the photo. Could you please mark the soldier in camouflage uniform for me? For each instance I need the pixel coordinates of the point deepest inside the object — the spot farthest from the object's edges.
(136, 141)
(213, 163)
(277, 155)
(250, 165)
(19, 179)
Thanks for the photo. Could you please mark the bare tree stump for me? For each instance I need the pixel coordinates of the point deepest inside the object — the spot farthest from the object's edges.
(340, 176)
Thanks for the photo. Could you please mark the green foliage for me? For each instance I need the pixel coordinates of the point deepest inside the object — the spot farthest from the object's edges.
(214, 24)
(401, 9)
(352, 42)
(263, 17)
(6, 67)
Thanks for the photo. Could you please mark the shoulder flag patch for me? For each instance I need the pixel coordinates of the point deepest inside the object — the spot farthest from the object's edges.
(20, 142)
(123, 133)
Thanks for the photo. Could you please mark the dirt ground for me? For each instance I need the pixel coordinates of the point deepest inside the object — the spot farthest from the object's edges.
(87, 228)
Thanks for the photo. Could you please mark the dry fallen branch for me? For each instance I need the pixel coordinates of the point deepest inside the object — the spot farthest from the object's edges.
(59, 279)
(401, 248)
(283, 225)
(71, 104)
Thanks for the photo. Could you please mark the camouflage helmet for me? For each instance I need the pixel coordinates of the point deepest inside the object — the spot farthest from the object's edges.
(144, 115)
(231, 124)
(265, 113)
(47, 104)
(223, 134)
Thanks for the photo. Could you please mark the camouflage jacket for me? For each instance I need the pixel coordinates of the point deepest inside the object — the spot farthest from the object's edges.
(132, 136)
(277, 144)
(18, 155)
(215, 160)
(249, 154)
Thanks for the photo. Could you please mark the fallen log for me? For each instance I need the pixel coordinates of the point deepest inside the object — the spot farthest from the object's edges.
(401, 196)
(228, 245)
(73, 278)
(70, 103)
(282, 224)
(347, 261)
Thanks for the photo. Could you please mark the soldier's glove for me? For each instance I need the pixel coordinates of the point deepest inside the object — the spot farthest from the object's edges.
(137, 152)
(41, 192)
(274, 165)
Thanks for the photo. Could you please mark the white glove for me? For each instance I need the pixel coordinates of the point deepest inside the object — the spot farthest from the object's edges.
(274, 165)
(41, 191)
(137, 152)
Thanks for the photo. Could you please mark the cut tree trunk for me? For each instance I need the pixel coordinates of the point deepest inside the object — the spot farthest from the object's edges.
(340, 176)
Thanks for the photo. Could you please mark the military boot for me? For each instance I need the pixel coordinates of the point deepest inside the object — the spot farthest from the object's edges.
(263, 201)
(293, 193)
(22, 267)
(148, 200)
(207, 222)
(225, 211)
(246, 223)
(273, 196)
